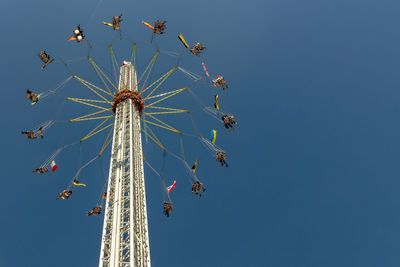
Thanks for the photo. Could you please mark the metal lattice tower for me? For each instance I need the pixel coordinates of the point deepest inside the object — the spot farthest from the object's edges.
(125, 238)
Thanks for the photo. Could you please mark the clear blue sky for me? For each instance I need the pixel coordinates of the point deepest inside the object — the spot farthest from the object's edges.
(313, 173)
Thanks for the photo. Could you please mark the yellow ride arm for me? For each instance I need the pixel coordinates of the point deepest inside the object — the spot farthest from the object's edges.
(183, 40)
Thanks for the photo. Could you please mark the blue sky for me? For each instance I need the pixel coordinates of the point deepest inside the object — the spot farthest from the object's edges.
(313, 164)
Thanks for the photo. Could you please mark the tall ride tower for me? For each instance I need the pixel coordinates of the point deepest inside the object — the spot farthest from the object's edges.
(125, 238)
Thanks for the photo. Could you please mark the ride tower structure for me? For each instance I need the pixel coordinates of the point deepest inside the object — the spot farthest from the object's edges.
(125, 238)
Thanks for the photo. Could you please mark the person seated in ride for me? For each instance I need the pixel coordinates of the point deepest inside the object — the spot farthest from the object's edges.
(220, 156)
(32, 96)
(197, 49)
(78, 33)
(200, 188)
(224, 84)
(30, 135)
(216, 81)
(232, 119)
(194, 187)
(226, 121)
(220, 81)
(95, 211)
(168, 208)
(116, 22)
(64, 194)
(197, 188)
(41, 170)
(45, 58)
(159, 27)
(229, 121)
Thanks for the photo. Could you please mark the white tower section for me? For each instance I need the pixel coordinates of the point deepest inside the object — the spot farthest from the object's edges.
(125, 239)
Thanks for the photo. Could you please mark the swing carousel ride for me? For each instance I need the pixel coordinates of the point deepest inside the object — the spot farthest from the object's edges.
(127, 109)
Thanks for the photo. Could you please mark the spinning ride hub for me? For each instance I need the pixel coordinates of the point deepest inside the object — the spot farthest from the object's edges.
(127, 94)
